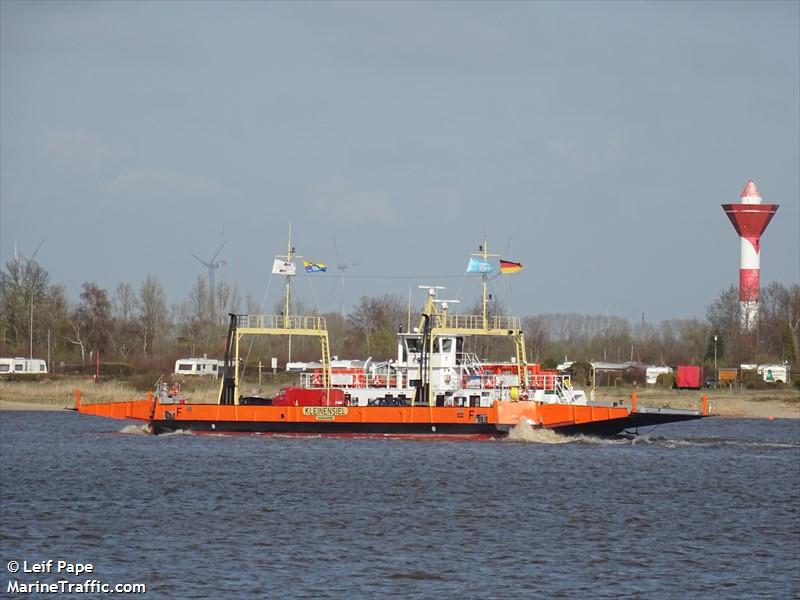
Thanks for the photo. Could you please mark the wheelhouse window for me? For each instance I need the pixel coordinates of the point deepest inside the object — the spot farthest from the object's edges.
(413, 344)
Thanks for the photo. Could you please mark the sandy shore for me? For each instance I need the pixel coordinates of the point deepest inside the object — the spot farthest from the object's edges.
(10, 405)
(758, 404)
(745, 404)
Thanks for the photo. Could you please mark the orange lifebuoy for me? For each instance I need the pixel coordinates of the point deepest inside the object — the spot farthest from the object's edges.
(315, 380)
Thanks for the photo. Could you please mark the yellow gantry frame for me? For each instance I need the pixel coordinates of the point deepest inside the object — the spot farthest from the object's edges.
(280, 325)
(471, 325)
(285, 324)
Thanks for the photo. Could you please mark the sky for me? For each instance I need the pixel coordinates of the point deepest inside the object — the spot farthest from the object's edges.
(592, 142)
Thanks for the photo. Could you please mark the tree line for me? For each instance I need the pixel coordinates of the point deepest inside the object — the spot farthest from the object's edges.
(135, 325)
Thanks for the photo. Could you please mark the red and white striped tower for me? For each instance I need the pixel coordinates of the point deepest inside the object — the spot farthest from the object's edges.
(750, 218)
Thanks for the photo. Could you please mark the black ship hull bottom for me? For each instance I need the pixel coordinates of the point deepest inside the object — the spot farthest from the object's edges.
(479, 430)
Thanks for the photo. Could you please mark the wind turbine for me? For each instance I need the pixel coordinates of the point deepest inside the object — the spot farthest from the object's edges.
(212, 265)
(19, 256)
(342, 269)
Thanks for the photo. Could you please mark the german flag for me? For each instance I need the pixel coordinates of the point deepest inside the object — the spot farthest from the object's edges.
(507, 267)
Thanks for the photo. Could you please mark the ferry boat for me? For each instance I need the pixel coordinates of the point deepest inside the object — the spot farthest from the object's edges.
(433, 387)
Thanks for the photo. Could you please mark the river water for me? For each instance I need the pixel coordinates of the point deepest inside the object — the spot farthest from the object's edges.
(705, 509)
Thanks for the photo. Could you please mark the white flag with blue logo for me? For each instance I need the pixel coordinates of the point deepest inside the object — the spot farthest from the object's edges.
(479, 265)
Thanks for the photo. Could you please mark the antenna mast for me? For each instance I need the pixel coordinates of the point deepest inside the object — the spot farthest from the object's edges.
(289, 252)
(287, 259)
(290, 255)
(483, 252)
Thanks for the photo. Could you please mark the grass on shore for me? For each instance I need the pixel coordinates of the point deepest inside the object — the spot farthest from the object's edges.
(776, 394)
(61, 392)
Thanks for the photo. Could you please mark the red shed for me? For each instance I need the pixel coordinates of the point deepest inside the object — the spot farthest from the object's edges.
(689, 377)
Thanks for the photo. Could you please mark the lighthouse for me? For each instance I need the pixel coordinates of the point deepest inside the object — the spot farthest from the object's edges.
(749, 218)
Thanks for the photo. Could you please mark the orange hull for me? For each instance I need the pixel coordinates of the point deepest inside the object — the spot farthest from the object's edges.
(493, 421)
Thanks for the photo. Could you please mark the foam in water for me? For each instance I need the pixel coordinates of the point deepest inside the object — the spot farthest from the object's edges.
(525, 432)
(143, 429)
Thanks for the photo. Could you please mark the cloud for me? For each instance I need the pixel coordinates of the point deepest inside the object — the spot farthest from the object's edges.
(422, 36)
(78, 158)
(96, 29)
(76, 150)
(156, 187)
(348, 204)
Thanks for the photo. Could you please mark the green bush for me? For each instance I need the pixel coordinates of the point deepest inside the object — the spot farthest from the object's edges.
(108, 370)
(581, 374)
(753, 380)
(115, 369)
(666, 380)
(144, 382)
(24, 377)
(550, 363)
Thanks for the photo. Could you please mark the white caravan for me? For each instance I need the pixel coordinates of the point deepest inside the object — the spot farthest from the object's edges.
(198, 366)
(22, 366)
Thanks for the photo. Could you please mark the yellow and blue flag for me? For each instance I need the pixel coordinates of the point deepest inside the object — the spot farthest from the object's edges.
(314, 267)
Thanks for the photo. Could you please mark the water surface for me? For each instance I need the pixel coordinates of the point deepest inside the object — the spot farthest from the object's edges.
(705, 509)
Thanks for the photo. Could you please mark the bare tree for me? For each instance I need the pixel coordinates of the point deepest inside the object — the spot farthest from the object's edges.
(124, 305)
(153, 319)
(779, 321)
(92, 319)
(723, 316)
(536, 336)
(226, 301)
(375, 320)
(24, 287)
(78, 336)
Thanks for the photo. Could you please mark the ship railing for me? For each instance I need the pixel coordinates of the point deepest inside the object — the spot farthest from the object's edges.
(563, 389)
(550, 383)
(377, 376)
(281, 322)
(470, 362)
(475, 322)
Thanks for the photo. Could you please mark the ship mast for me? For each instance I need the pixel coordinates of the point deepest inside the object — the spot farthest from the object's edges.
(290, 254)
(288, 257)
(483, 253)
(283, 324)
